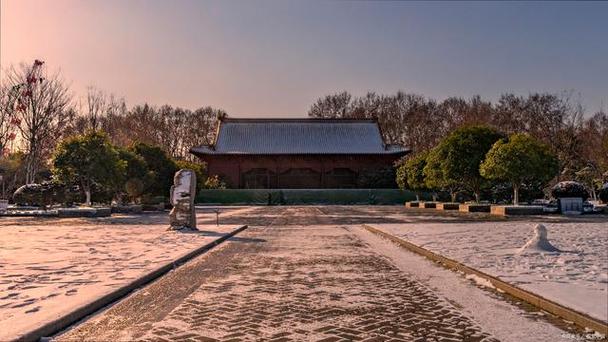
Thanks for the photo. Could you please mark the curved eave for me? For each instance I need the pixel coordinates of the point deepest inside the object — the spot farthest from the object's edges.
(209, 152)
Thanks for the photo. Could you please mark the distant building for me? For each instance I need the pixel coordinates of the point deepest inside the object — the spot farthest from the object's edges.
(296, 153)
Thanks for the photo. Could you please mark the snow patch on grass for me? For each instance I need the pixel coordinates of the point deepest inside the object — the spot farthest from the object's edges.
(576, 276)
(480, 281)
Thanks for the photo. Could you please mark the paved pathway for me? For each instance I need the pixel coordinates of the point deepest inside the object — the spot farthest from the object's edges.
(282, 282)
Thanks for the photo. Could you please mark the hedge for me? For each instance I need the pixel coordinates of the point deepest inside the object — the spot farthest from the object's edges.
(305, 196)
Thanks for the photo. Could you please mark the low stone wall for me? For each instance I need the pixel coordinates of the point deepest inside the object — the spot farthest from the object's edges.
(474, 208)
(447, 206)
(504, 210)
(127, 209)
(153, 207)
(84, 212)
(60, 212)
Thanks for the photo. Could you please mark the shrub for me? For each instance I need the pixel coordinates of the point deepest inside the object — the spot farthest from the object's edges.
(401, 176)
(214, 182)
(604, 193)
(134, 188)
(381, 178)
(43, 194)
(569, 189)
(163, 168)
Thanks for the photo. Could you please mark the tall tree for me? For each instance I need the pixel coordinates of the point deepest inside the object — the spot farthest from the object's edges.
(520, 159)
(459, 155)
(414, 176)
(435, 177)
(87, 160)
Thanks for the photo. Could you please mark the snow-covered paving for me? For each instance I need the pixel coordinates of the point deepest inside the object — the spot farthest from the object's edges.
(49, 269)
(576, 276)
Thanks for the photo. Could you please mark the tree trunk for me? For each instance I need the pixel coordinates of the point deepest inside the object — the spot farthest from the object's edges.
(30, 169)
(86, 187)
(516, 194)
(477, 196)
(417, 197)
(453, 196)
(87, 193)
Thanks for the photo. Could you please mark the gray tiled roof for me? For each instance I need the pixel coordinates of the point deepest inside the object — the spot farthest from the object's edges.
(298, 136)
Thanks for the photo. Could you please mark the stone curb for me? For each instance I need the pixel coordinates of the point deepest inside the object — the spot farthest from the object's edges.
(79, 313)
(552, 307)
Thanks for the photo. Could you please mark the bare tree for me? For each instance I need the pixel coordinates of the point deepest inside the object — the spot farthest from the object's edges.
(97, 106)
(114, 120)
(8, 119)
(332, 106)
(201, 129)
(41, 107)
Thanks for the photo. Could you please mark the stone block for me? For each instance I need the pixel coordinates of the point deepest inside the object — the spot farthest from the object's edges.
(428, 205)
(474, 208)
(505, 210)
(447, 206)
(412, 204)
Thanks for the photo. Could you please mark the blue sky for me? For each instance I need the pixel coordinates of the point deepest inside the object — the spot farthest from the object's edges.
(274, 58)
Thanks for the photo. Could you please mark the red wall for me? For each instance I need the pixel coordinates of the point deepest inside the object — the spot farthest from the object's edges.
(231, 168)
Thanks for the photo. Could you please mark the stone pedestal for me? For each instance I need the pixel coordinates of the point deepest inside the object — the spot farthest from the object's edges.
(3, 206)
(571, 205)
(183, 191)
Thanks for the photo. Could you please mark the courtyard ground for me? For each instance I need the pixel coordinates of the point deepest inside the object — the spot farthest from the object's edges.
(312, 273)
(49, 267)
(576, 276)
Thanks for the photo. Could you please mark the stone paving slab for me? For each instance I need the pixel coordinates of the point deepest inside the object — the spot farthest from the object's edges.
(313, 273)
(282, 283)
(334, 289)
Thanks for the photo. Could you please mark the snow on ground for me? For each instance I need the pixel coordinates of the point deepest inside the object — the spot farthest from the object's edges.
(49, 269)
(576, 277)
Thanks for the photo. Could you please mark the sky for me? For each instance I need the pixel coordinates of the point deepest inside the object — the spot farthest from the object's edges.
(259, 58)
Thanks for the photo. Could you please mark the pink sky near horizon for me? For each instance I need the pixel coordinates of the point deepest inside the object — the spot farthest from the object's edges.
(102, 47)
(275, 58)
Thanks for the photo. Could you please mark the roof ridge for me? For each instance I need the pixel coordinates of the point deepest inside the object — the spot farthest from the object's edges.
(299, 120)
(299, 136)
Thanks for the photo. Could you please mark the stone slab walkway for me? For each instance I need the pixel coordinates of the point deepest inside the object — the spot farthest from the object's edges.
(285, 281)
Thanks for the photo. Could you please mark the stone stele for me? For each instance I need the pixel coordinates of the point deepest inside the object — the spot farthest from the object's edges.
(183, 216)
